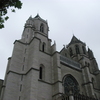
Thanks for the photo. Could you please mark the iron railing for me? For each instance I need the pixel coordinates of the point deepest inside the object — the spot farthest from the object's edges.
(77, 97)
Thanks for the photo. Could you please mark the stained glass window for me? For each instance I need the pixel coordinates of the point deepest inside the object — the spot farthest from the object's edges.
(70, 84)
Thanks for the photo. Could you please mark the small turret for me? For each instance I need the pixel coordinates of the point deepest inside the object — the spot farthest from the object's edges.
(90, 53)
(28, 32)
(53, 48)
(29, 22)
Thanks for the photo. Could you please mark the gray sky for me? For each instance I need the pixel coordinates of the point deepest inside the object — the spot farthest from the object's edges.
(65, 18)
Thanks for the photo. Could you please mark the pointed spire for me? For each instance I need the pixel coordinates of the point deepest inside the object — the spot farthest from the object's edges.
(54, 47)
(30, 17)
(90, 53)
(75, 40)
(54, 42)
(64, 45)
(29, 22)
(37, 16)
(72, 32)
(47, 21)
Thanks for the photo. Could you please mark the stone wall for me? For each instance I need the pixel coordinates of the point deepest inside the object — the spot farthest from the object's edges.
(1, 84)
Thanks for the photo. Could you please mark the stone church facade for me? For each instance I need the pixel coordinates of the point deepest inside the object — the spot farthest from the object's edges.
(36, 71)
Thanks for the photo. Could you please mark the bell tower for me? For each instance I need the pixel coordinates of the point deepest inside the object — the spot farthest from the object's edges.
(29, 65)
(34, 27)
(36, 71)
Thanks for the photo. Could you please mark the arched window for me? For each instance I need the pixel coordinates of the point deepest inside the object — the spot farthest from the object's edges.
(93, 82)
(83, 48)
(43, 46)
(70, 84)
(42, 28)
(65, 55)
(70, 51)
(41, 72)
(77, 49)
(40, 45)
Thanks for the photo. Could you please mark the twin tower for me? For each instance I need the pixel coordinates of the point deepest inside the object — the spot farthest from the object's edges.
(36, 71)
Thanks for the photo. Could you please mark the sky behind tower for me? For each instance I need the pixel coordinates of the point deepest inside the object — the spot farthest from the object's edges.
(65, 18)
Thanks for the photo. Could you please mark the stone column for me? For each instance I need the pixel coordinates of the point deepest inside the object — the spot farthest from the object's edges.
(71, 97)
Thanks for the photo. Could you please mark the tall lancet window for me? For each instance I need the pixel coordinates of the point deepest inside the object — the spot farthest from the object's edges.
(41, 72)
(77, 49)
(70, 51)
(43, 47)
(70, 85)
(83, 49)
(42, 28)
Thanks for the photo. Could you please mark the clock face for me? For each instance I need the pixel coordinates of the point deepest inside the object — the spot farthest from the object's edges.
(70, 84)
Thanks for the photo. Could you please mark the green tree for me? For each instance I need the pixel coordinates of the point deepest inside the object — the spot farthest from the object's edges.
(4, 6)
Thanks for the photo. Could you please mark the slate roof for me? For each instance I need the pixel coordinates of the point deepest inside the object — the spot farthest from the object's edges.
(38, 17)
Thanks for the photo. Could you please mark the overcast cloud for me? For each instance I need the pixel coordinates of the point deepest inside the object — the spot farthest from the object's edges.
(65, 18)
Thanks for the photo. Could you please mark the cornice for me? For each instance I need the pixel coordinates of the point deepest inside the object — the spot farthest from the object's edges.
(24, 73)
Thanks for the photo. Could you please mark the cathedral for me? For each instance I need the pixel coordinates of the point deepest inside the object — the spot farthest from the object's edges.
(37, 71)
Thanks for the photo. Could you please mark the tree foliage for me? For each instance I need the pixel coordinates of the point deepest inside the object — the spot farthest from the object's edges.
(4, 6)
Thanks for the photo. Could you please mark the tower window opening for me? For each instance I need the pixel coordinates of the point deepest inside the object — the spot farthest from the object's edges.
(41, 28)
(40, 74)
(21, 77)
(77, 49)
(19, 97)
(24, 59)
(43, 47)
(25, 51)
(65, 55)
(23, 68)
(20, 87)
(71, 52)
(83, 49)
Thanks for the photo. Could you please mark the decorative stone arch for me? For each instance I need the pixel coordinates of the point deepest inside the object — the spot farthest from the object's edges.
(42, 27)
(70, 85)
(42, 72)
